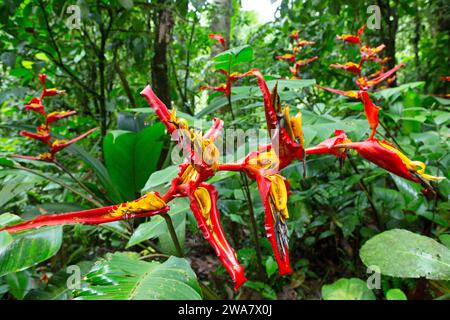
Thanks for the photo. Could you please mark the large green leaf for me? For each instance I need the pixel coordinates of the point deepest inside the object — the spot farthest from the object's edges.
(122, 276)
(159, 179)
(347, 289)
(131, 158)
(29, 248)
(226, 59)
(401, 253)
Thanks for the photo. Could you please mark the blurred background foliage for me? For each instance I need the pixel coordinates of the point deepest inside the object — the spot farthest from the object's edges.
(121, 45)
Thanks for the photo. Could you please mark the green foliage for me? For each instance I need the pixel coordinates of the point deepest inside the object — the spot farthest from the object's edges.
(347, 289)
(122, 276)
(28, 248)
(396, 294)
(401, 253)
(131, 158)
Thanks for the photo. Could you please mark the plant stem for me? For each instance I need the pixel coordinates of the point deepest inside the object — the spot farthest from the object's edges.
(363, 186)
(173, 234)
(81, 184)
(245, 186)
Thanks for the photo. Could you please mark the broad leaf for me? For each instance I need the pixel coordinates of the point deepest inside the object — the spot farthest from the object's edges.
(395, 294)
(122, 276)
(347, 289)
(29, 248)
(131, 158)
(226, 59)
(401, 253)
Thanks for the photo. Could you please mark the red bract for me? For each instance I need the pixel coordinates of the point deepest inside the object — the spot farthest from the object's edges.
(218, 38)
(35, 105)
(43, 130)
(58, 115)
(384, 155)
(351, 38)
(292, 57)
(148, 205)
(349, 66)
(371, 111)
(365, 82)
(329, 146)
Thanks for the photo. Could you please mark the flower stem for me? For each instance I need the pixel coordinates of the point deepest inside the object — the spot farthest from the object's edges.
(173, 234)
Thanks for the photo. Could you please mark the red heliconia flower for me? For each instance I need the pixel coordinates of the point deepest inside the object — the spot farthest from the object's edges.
(445, 78)
(364, 83)
(46, 156)
(218, 38)
(204, 207)
(384, 155)
(42, 134)
(35, 105)
(302, 43)
(329, 146)
(351, 93)
(52, 92)
(149, 205)
(351, 38)
(368, 53)
(348, 66)
(294, 34)
(43, 79)
(220, 88)
(273, 192)
(371, 111)
(286, 57)
(58, 145)
(302, 63)
(58, 115)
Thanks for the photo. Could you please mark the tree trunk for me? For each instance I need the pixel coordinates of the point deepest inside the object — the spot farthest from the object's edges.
(389, 27)
(221, 22)
(163, 21)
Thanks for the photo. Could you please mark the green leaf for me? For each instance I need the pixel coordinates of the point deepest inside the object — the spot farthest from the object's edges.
(445, 239)
(5, 239)
(401, 253)
(27, 64)
(347, 289)
(8, 219)
(395, 294)
(131, 157)
(41, 56)
(18, 283)
(159, 178)
(122, 276)
(271, 266)
(29, 248)
(127, 4)
(226, 59)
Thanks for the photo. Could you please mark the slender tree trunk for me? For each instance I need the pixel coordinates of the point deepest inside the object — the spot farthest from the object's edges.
(389, 27)
(416, 41)
(221, 22)
(163, 21)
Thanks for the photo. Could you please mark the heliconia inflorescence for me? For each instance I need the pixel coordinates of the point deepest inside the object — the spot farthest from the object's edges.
(297, 45)
(43, 131)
